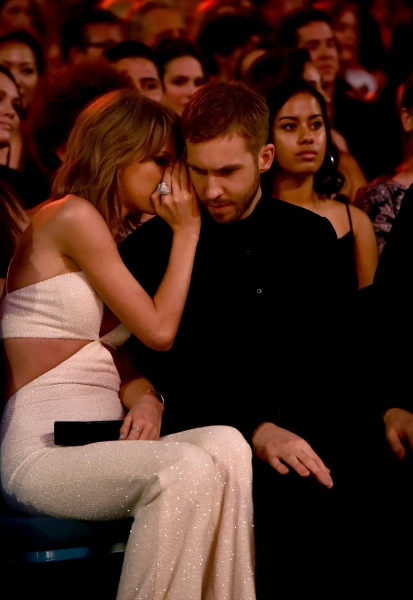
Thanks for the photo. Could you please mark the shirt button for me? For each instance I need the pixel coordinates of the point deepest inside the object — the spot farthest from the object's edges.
(259, 291)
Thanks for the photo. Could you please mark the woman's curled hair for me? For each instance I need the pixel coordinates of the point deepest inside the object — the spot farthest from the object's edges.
(112, 132)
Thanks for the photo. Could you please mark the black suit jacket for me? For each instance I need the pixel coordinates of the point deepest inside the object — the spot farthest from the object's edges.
(256, 340)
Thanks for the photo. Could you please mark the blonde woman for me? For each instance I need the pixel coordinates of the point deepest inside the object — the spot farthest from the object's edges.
(69, 303)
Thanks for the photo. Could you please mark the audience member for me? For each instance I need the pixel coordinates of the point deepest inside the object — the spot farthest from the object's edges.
(347, 112)
(151, 21)
(65, 92)
(257, 348)
(182, 69)
(222, 41)
(17, 15)
(381, 199)
(304, 173)
(140, 63)
(119, 8)
(189, 494)
(89, 33)
(393, 293)
(23, 181)
(272, 13)
(10, 110)
(360, 47)
(298, 63)
(22, 55)
(13, 221)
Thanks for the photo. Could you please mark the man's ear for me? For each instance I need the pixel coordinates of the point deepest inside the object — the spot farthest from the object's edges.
(406, 119)
(265, 157)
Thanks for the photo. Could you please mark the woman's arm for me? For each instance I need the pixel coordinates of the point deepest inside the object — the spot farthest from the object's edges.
(365, 247)
(144, 407)
(82, 234)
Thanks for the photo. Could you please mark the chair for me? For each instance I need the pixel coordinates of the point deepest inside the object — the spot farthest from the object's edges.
(61, 558)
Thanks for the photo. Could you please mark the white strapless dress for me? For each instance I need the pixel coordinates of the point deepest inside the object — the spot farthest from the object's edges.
(189, 493)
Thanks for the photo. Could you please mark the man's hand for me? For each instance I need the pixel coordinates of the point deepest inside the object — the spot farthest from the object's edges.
(274, 444)
(399, 430)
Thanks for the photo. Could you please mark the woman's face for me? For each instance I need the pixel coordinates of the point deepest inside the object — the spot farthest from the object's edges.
(20, 61)
(9, 108)
(299, 136)
(346, 30)
(138, 181)
(16, 14)
(182, 77)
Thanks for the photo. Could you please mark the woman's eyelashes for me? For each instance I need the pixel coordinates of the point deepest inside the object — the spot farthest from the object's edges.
(315, 126)
(163, 161)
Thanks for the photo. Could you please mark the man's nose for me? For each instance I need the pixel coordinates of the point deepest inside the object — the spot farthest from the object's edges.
(328, 50)
(213, 189)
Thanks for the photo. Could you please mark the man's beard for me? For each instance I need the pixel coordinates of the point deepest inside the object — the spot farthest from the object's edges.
(242, 203)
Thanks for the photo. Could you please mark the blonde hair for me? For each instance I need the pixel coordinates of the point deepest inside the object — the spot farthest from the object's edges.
(112, 132)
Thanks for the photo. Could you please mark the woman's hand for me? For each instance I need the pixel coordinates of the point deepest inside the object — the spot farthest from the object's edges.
(274, 444)
(180, 208)
(143, 421)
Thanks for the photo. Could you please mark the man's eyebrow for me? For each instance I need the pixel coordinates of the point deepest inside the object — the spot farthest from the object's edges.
(223, 168)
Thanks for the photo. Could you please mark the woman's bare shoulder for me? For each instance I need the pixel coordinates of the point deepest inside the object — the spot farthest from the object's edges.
(359, 215)
(68, 212)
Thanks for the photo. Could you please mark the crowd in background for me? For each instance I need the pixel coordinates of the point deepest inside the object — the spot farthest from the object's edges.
(335, 78)
(357, 54)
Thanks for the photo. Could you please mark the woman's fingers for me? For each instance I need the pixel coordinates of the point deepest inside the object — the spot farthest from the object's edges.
(184, 177)
(167, 174)
(157, 197)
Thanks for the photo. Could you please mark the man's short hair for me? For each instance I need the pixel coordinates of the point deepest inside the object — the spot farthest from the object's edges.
(221, 108)
(136, 15)
(287, 35)
(130, 49)
(73, 31)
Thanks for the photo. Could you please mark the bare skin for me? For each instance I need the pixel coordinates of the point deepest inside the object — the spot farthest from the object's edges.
(69, 235)
(399, 430)
(299, 137)
(300, 143)
(281, 447)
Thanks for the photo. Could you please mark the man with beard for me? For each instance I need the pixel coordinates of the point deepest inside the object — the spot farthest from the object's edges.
(350, 115)
(257, 348)
(261, 270)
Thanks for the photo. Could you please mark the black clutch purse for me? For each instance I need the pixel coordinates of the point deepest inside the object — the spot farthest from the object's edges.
(79, 433)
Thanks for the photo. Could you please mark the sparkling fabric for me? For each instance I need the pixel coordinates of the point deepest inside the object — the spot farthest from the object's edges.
(189, 493)
(65, 306)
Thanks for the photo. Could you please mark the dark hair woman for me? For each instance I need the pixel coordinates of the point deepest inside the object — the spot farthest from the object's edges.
(382, 198)
(182, 71)
(304, 173)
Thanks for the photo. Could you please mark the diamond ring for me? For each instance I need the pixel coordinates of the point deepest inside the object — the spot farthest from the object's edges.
(164, 188)
(137, 429)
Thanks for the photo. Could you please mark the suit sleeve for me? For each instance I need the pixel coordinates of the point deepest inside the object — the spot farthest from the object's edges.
(393, 302)
(145, 252)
